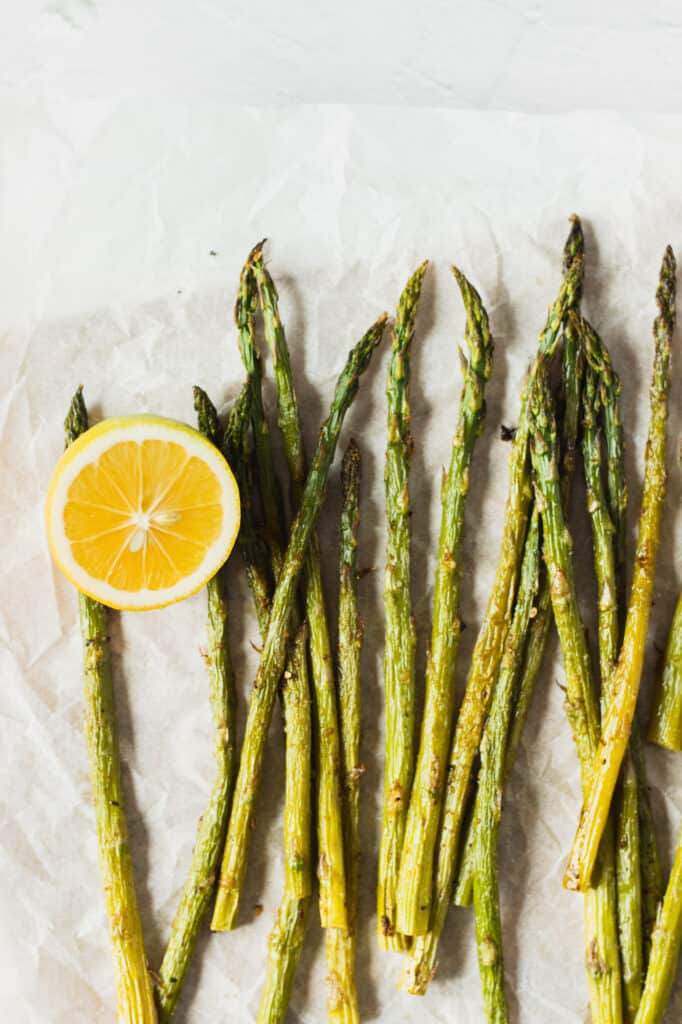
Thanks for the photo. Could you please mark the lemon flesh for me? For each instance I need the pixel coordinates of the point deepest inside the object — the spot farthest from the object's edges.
(141, 512)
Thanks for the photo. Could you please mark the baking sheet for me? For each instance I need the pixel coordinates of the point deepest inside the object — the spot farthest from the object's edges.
(124, 228)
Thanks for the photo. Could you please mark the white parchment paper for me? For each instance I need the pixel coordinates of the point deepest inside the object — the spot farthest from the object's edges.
(123, 231)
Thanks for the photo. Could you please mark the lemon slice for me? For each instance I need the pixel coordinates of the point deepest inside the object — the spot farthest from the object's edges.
(141, 512)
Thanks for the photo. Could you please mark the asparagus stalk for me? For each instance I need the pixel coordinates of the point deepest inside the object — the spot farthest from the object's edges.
(650, 867)
(247, 298)
(400, 643)
(342, 1003)
(665, 948)
(525, 663)
(275, 646)
(602, 957)
(421, 832)
(256, 554)
(487, 653)
(198, 889)
(331, 870)
(572, 372)
(532, 648)
(286, 939)
(602, 537)
(536, 644)
(490, 784)
(628, 878)
(665, 727)
(134, 997)
(285, 944)
(626, 680)
(629, 889)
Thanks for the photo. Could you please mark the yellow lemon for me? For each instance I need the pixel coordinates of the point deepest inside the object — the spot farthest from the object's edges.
(141, 512)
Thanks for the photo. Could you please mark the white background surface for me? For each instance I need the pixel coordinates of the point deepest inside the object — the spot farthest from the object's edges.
(127, 155)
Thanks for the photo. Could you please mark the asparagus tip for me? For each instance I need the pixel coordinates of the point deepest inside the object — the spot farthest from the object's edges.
(407, 307)
(235, 436)
(468, 292)
(665, 293)
(479, 339)
(575, 243)
(207, 415)
(256, 253)
(540, 404)
(76, 421)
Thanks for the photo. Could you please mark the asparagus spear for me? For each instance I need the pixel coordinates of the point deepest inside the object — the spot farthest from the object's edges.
(134, 997)
(602, 958)
(490, 783)
(626, 680)
(275, 645)
(533, 645)
(489, 646)
(421, 832)
(244, 310)
(665, 948)
(198, 890)
(331, 871)
(628, 878)
(286, 939)
(256, 553)
(665, 727)
(650, 867)
(572, 372)
(602, 537)
(536, 644)
(400, 643)
(342, 1004)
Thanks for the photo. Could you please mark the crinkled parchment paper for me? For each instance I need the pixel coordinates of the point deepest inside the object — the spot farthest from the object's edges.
(123, 231)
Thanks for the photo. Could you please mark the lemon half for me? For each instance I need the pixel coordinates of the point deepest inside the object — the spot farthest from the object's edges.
(141, 512)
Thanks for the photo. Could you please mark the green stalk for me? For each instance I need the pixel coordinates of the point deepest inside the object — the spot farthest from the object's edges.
(649, 858)
(400, 638)
(489, 646)
(536, 644)
(628, 878)
(490, 785)
(665, 948)
(255, 551)
(134, 997)
(538, 634)
(602, 537)
(342, 1001)
(572, 372)
(198, 889)
(286, 940)
(627, 677)
(285, 944)
(287, 937)
(533, 647)
(629, 889)
(650, 866)
(274, 652)
(601, 937)
(247, 298)
(426, 801)
(331, 870)
(665, 727)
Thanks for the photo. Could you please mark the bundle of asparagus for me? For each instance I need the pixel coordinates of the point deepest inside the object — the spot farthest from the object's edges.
(633, 932)
(487, 657)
